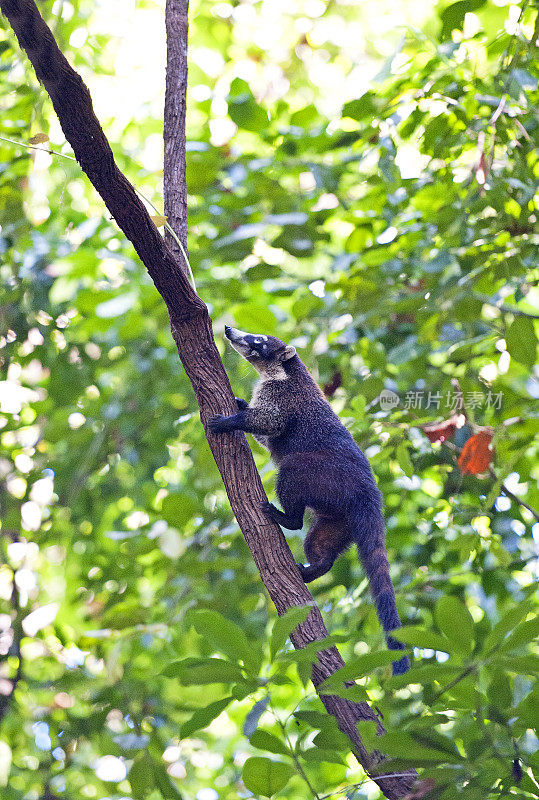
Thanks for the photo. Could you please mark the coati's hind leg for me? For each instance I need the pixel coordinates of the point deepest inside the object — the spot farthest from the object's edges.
(291, 497)
(327, 538)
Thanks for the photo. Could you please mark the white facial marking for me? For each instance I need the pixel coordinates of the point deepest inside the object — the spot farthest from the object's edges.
(241, 348)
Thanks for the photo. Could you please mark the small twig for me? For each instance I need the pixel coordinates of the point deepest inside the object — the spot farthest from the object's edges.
(499, 110)
(293, 754)
(34, 147)
(522, 129)
(174, 236)
(350, 786)
(512, 496)
(140, 194)
(458, 679)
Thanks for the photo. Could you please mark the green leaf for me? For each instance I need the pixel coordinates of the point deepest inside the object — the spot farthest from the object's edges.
(141, 777)
(331, 738)
(307, 305)
(318, 754)
(402, 744)
(177, 509)
(200, 671)
(316, 719)
(243, 108)
(356, 693)
(507, 623)
(308, 655)
(227, 637)
(419, 637)
(525, 633)
(403, 458)
(285, 625)
(203, 716)
(265, 777)
(521, 341)
(526, 665)
(357, 667)
(165, 783)
(499, 690)
(364, 106)
(254, 317)
(421, 675)
(453, 16)
(463, 695)
(431, 738)
(265, 740)
(528, 708)
(263, 271)
(455, 622)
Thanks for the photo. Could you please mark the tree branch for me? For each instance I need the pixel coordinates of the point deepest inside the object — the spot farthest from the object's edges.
(514, 497)
(192, 332)
(175, 184)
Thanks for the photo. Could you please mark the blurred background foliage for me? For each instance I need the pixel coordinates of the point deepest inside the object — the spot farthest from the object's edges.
(361, 180)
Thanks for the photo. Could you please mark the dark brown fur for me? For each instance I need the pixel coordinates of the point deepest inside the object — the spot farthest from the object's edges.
(320, 467)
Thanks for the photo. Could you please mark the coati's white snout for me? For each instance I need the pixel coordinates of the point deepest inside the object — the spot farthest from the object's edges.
(238, 341)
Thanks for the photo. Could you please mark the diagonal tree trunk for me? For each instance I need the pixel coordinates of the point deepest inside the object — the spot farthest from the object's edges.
(191, 329)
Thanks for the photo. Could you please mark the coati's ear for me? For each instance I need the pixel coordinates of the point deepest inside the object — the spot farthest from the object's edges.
(288, 352)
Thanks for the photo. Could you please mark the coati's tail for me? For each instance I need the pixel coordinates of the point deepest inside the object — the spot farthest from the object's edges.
(369, 536)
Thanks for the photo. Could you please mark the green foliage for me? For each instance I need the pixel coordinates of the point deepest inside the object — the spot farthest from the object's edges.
(388, 231)
(265, 777)
(284, 626)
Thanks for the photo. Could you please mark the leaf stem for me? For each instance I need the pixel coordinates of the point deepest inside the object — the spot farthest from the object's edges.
(293, 753)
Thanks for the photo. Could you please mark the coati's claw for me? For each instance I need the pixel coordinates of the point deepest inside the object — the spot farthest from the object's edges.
(270, 511)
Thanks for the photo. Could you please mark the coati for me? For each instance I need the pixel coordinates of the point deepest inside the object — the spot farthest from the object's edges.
(320, 467)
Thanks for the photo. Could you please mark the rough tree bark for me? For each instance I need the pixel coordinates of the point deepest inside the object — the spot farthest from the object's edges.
(175, 185)
(192, 332)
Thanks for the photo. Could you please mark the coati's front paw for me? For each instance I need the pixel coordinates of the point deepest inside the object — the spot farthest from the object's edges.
(241, 403)
(218, 424)
(270, 510)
